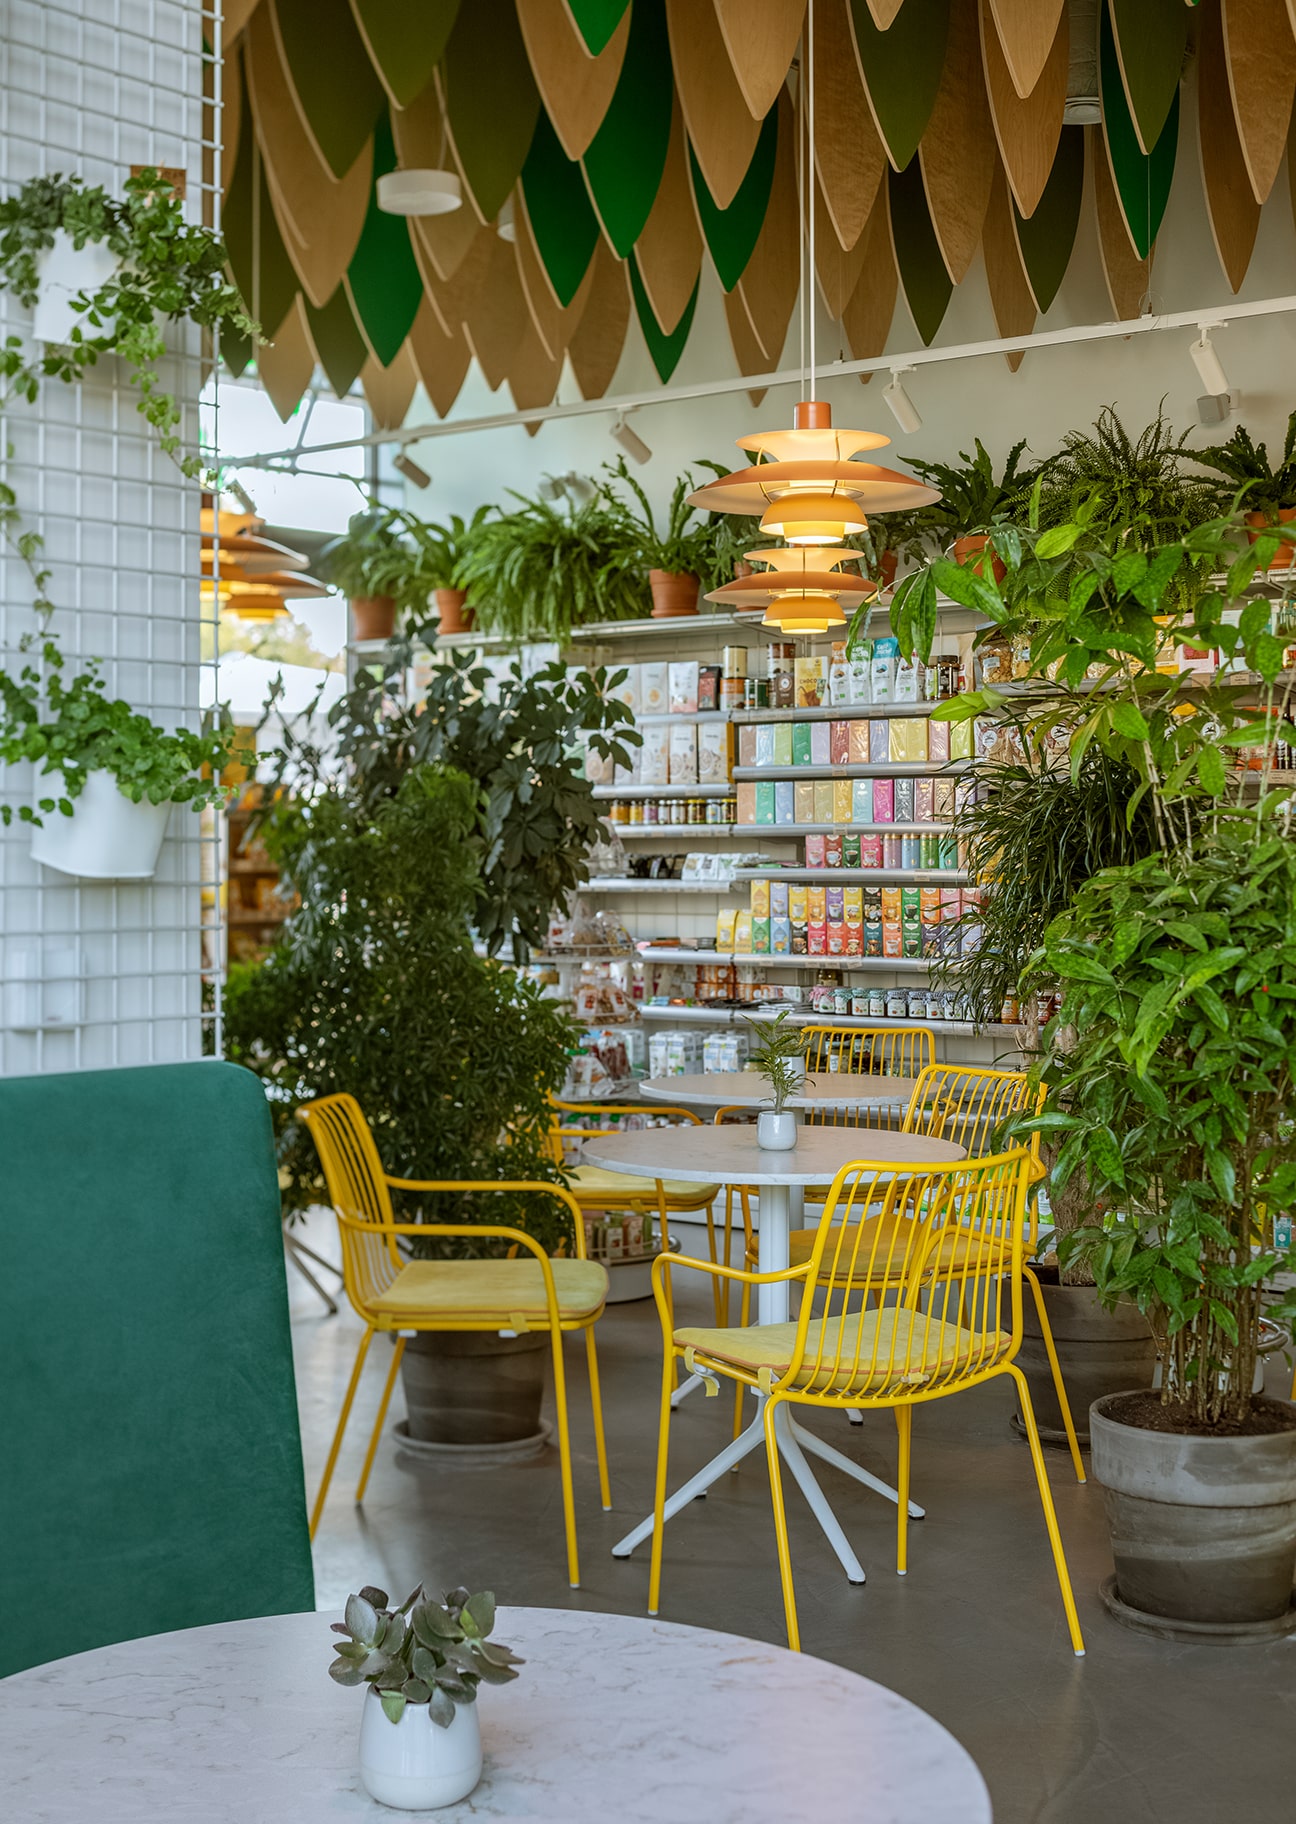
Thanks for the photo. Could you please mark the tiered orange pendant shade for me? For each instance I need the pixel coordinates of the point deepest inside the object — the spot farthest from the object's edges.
(811, 491)
(258, 577)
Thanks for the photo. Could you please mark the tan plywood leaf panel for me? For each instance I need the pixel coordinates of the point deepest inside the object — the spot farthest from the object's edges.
(595, 349)
(1011, 297)
(770, 278)
(669, 251)
(286, 365)
(499, 317)
(234, 16)
(1230, 202)
(871, 306)
(1128, 277)
(957, 152)
(720, 128)
(453, 299)
(440, 359)
(554, 325)
(231, 116)
(322, 216)
(422, 144)
(745, 343)
(883, 11)
(1026, 31)
(761, 39)
(849, 155)
(389, 389)
(574, 87)
(533, 372)
(836, 269)
(1026, 129)
(1259, 38)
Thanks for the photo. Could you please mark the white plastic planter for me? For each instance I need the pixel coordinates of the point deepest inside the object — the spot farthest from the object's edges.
(414, 1765)
(107, 837)
(65, 271)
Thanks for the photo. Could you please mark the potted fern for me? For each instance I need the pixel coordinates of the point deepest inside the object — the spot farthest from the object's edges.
(441, 550)
(541, 568)
(1268, 494)
(778, 1053)
(680, 559)
(372, 563)
(974, 499)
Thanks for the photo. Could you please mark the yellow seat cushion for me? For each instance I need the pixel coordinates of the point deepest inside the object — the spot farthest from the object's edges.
(494, 1290)
(881, 1351)
(614, 1190)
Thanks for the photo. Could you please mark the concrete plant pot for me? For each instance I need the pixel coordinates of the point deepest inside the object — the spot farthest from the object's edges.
(474, 1391)
(1099, 1351)
(1203, 1528)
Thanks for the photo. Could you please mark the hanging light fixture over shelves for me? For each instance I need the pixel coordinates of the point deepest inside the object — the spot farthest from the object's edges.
(805, 590)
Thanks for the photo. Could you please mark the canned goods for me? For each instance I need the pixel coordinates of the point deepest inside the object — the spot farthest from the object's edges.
(734, 660)
(636, 810)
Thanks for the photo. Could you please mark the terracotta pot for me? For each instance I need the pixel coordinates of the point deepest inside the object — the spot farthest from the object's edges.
(373, 617)
(454, 617)
(742, 568)
(887, 564)
(672, 594)
(970, 546)
(1283, 557)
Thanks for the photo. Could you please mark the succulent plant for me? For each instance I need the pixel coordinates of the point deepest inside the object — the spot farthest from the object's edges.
(424, 1652)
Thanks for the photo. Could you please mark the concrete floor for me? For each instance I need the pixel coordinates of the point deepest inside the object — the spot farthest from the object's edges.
(1137, 1731)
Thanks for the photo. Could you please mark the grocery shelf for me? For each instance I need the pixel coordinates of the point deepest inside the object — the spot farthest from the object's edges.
(836, 712)
(606, 884)
(761, 1013)
(684, 718)
(913, 877)
(768, 960)
(766, 830)
(663, 791)
(642, 832)
(891, 769)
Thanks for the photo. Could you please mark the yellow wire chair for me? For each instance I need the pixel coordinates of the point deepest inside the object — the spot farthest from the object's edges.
(890, 1051)
(942, 1329)
(394, 1294)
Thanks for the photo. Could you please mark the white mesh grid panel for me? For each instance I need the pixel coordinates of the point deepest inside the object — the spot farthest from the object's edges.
(100, 974)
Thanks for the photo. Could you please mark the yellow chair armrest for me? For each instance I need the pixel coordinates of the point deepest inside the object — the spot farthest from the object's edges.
(485, 1184)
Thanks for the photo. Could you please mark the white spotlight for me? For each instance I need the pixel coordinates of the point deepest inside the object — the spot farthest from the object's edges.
(630, 441)
(1208, 363)
(1214, 408)
(242, 496)
(424, 192)
(903, 409)
(406, 466)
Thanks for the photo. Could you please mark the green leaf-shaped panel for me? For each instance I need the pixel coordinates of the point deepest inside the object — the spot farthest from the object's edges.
(731, 233)
(1142, 181)
(664, 349)
(491, 100)
(1151, 37)
(562, 218)
(335, 82)
(625, 159)
(341, 348)
(258, 259)
(596, 20)
(902, 69)
(405, 39)
(384, 280)
(927, 284)
(1046, 239)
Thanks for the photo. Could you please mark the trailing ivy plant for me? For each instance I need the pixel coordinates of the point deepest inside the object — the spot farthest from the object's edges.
(73, 728)
(425, 1652)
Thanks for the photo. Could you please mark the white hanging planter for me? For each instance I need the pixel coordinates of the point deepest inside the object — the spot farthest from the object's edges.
(415, 1765)
(65, 271)
(107, 837)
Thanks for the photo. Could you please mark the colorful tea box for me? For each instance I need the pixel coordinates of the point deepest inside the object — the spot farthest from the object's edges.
(784, 801)
(725, 930)
(683, 685)
(797, 910)
(814, 852)
(857, 742)
(839, 743)
(765, 801)
(627, 691)
(943, 791)
(870, 851)
(760, 898)
(930, 905)
(804, 800)
(798, 902)
(816, 939)
(821, 744)
(782, 743)
(823, 800)
(884, 801)
(765, 743)
(872, 934)
(778, 898)
(653, 686)
(923, 800)
(780, 937)
(891, 904)
(853, 913)
(801, 743)
(708, 692)
(810, 675)
(969, 925)
(908, 738)
(742, 932)
(654, 755)
(760, 936)
(745, 802)
(962, 739)
(835, 903)
(843, 800)
(904, 800)
(714, 753)
(938, 743)
(892, 938)
(832, 850)
(817, 904)
(850, 851)
(836, 935)
(879, 742)
(862, 800)
(683, 755)
(747, 744)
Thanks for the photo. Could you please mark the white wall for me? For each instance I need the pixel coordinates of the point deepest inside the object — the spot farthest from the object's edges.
(1053, 391)
(92, 87)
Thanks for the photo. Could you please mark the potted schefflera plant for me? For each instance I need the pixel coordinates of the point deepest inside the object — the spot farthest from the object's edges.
(420, 1742)
(778, 1052)
(105, 775)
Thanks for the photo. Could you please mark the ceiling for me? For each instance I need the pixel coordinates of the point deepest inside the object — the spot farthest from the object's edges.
(635, 141)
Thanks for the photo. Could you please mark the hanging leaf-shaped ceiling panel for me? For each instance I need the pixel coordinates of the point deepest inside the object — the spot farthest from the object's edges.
(596, 20)
(1260, 45)
(499, 317)
(665, 350)
(669, 251)
(837, 270)
(440, 359)
(1027, 130)
(720, 127)
(231, 115)
(871, 306)
(927, 285)
(558, 207)
(341, 349)
(1011, 297)
(623, 166)
(761, 39)
(455, 299)
(337, 91)
(1149, 38)
(1045, 240)
(595, 349)
(533, 373)
(958, 155)
(556, 324)
(743, 340)
(901, 67)
(884, 11)
(258, 260)
(1230, 203)
(1026, 30)
(1128, 277)
(405, 41)
(1142, 182)
(389, 388)
(422, 144)
(285, 366)
(769, 284)
(383, 277)
(730, 234)
(848, 151)
(575, 88)
(490, 99)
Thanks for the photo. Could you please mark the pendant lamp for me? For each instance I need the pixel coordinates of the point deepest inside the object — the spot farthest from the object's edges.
(805, 590)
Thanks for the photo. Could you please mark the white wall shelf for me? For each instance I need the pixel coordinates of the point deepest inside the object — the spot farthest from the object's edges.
(806, 1016)
(854, 877)
(687, 832)
(663, 791)
(767, 830)
(837, 712)
(766, 960)
(627, 885)
(891, 769)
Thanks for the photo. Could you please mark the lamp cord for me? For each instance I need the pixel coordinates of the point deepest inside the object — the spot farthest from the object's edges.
(810, 209)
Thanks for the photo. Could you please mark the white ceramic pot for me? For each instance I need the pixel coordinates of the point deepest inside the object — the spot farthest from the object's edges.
(107, 837)
(414, 1765)
(776, 1133)
(65, 271)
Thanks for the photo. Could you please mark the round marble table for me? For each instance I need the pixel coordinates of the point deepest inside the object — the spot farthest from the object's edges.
(612, 1716)
(824, 1089)
(730, 1155)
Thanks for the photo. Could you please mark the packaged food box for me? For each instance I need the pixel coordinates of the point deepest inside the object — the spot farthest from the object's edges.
(745, 802)
(892, 939)
(778, 898)
(814, 853)
(930, 905)
(708, 687)
(879, 742)
(653, 699)
(627, 691)
(943, 791)
(904, 800)
(832, 850)
(836, 903)
(961, 740)
(683, 685)
(725, 930)
(821, 744)
(938, 743)
(810, 675)
(782, 743)
(823, 800)
(891, 904)
(870, 851)
(683, 755)
(765, 743)
(817, 940)
(654, 755)
(843, 800)
(747, 744)
(760, 936)
(872, 937)
(801, 743)
(836, 938)
(804, 800)
(743, 932)
(884, 801)
(627, 773)
(713, 752)
(760, 898)
(780, 937)
(765, 801)
(817, 904)
(908, 739)
(850, 851)
(784, 801)
(923, 800)
(857, 742)
(861, 801)
(797, 903)
(839, 743)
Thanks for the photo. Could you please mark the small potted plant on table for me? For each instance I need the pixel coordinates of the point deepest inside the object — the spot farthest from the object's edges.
(420, 1741)
(778, 1052)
